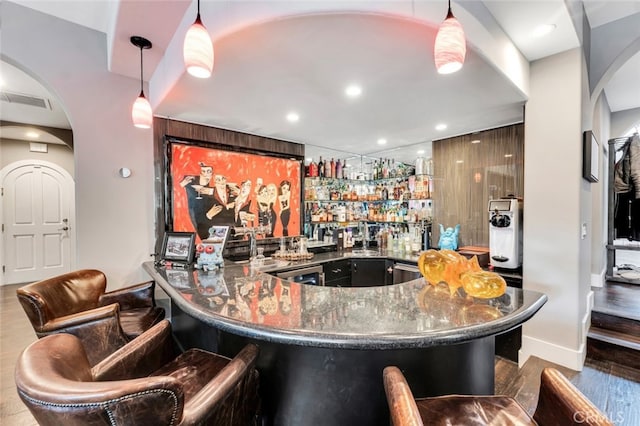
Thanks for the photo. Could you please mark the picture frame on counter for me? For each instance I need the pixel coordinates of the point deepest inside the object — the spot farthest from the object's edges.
(178, 247)
(590, 156)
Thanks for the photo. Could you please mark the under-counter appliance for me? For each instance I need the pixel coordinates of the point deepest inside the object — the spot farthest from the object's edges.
(505, 233)
(403, 272)
(312, 275)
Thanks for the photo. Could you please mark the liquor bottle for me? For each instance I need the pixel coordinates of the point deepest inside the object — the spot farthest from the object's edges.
(393, 172)
(327, 169)
(338, 170)
(332, 168)
(321, 167)
(344, 169)
(384, 193)
(313, 169)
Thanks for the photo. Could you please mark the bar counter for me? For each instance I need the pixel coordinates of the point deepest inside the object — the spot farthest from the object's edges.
(322, 349)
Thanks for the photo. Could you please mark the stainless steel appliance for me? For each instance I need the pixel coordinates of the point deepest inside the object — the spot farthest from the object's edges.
(403, 272)
(312, 275)
(505, 233)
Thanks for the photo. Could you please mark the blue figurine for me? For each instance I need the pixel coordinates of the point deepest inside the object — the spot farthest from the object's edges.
(449, 238)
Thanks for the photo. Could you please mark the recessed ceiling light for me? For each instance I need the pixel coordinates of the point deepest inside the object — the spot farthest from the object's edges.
(475, 141)
(382, 141)
(32, 135)
(293, 117)
(353, 91)
(508, 155)
(441, 127)
(421, 151)
(543, 30)
(459, 161)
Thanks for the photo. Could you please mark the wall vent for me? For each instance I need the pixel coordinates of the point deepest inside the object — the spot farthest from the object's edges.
(17, 98)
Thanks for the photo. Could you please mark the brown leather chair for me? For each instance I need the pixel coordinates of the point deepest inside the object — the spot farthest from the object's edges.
(140, 384)
(559, 404)
(77, 303)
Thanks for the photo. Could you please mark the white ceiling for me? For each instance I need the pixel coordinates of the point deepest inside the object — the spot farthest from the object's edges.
(268, 67)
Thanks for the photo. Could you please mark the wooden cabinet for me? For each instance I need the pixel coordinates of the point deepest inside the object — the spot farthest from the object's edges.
(337, 273)
(371, 272)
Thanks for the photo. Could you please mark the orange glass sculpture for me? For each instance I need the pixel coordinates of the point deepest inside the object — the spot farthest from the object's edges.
(483, 284)
(457, 271)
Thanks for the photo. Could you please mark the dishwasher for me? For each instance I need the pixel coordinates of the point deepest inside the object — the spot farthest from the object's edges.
(403, 272)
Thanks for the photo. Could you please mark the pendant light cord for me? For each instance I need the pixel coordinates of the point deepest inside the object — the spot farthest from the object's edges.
(141, 74)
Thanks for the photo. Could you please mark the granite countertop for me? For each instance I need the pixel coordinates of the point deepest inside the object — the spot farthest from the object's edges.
(244, 301)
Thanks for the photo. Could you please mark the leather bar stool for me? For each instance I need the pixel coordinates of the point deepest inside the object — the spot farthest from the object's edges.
(77, 303)
(142, 383)
(559, 404)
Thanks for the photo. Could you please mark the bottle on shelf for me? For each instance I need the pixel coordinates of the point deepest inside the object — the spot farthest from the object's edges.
(327, 169)
(313, 169)
(321, 167)
(332, 169)
(384, 193)
(338, 169)
(344, 169)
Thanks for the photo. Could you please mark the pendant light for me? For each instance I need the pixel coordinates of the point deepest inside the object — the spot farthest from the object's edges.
(450, 47)
(198, 49)
(141, 113)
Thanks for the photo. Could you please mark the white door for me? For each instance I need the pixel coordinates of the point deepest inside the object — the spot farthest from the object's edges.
(37, 218)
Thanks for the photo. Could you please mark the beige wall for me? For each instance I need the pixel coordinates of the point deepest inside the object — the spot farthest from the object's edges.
(623, 122)
(114, 216)
(553, 193)
(14, 150)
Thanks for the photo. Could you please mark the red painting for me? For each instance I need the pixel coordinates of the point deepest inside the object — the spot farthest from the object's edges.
(213, 187)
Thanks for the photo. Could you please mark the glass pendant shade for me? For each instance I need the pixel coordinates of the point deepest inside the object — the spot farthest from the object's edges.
(450, 48)
(141, 113)
(198, 51)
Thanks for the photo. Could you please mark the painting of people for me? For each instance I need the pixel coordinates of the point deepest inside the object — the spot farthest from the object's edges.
(215, 187)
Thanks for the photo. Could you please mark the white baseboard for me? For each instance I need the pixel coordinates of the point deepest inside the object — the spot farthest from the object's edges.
(598, 280)
(586, 319)
(567, 357)
(570, 358)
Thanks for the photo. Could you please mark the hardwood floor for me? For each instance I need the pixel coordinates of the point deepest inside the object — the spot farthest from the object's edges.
(615, 389)
(619, 299)
(15, 334)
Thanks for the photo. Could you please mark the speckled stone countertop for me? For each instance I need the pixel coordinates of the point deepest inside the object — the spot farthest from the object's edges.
(240, 300)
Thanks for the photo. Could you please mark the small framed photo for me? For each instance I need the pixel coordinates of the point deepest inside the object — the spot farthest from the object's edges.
(218, 234)
(590, 154)
(178, 246)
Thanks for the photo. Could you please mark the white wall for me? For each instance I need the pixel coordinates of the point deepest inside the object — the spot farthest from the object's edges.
(601, 129)
(115, 216)
(13, 150)
(623, 121)
(554, 261)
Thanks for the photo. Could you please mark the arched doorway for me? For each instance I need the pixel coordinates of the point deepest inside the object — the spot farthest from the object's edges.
(36, 173)
(38, 219)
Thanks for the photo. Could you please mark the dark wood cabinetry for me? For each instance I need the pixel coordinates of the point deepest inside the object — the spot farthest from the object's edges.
(337, 273)
(371, 272)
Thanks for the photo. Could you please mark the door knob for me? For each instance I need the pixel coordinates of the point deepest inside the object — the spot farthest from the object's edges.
(64, 228)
